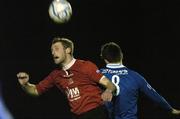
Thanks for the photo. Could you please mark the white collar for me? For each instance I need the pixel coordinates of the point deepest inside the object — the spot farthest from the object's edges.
(69, 65)
(114, 65)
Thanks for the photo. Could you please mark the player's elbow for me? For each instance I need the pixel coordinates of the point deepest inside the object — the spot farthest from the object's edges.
(108, 84)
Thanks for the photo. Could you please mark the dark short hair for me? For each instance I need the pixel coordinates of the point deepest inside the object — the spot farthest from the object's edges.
(65, 42)
(111, 52)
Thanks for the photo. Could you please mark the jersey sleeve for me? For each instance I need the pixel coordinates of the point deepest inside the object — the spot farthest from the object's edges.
(46, 83)
(93, 72)
(152, 94)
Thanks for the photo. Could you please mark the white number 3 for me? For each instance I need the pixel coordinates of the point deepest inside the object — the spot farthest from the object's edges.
(116, 80)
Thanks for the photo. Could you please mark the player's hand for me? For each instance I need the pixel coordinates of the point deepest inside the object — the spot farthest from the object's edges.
(23, 78)
(175, 111)
(107, 95)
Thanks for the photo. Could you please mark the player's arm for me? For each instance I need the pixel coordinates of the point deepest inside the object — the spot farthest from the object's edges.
(23, 79)
(151, 93)
(110, 89)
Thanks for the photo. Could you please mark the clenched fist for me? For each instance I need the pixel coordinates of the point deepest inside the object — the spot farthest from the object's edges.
(23, 78)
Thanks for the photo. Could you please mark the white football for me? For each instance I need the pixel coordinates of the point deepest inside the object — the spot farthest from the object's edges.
(60, 11)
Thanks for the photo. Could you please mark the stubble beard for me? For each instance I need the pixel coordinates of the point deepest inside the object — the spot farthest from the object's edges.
(59, 63)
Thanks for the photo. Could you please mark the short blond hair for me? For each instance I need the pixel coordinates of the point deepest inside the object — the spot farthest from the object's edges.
(65, 42)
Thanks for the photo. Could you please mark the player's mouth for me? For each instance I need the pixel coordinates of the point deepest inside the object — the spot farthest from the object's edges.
(56, 57)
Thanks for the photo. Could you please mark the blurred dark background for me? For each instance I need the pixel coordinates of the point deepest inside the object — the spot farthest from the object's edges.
(147, 31)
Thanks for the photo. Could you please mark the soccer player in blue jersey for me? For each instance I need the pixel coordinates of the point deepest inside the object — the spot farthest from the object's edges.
(128, 83)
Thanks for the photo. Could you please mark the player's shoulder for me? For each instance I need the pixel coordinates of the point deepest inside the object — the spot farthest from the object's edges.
(103, 70)
(132, 71)
(55, 71)
(135, 74)
(85, 62)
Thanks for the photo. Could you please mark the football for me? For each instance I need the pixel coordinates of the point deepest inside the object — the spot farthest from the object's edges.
(60, 11)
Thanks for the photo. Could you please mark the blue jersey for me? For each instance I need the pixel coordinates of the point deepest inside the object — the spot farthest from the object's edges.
(129, 83)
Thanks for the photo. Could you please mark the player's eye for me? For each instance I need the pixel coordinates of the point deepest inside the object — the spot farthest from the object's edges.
(56, 48)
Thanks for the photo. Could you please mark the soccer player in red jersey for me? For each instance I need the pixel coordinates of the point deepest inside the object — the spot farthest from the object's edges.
(78, 79)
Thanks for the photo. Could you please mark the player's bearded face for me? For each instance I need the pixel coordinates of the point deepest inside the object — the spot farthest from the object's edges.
(58, 53)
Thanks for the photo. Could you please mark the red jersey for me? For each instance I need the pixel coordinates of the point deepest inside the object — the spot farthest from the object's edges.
(79, 83)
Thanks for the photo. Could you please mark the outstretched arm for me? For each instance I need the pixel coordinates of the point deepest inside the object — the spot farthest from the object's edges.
(23, 79)
(151, 93)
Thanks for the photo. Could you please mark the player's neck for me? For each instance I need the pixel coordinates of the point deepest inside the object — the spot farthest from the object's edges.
(69, 61)
(120, 62)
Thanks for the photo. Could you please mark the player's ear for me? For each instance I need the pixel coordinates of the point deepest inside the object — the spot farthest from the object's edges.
(68, 50)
